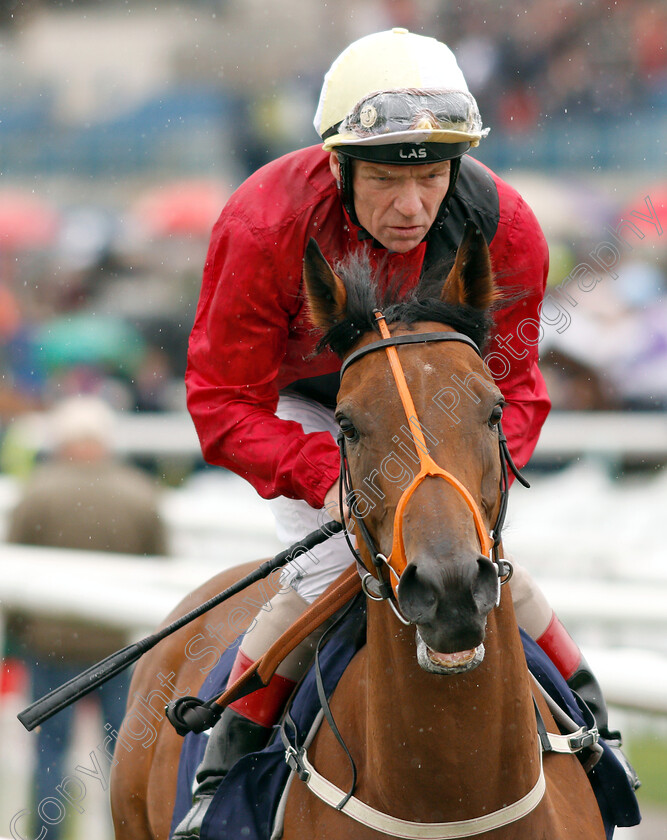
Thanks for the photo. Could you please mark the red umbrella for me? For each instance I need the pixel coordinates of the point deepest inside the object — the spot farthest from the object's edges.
(26, 221)
(181, 208)
(647, 210)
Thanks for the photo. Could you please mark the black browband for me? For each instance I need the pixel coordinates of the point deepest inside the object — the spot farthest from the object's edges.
(416, 338)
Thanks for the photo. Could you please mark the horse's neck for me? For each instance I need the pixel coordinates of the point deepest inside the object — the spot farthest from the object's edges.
(469, 727)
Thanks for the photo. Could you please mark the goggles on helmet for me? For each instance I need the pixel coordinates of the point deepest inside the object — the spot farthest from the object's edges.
(412, 116)
(388, 112)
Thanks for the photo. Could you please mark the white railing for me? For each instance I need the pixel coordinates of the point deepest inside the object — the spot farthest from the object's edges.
(595, 545)
(565, 434)
(135, 594)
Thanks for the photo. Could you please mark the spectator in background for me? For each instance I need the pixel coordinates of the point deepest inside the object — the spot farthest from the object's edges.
(82, 498)
(18, 391)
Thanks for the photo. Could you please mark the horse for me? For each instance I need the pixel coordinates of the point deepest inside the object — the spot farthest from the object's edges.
(438, 709)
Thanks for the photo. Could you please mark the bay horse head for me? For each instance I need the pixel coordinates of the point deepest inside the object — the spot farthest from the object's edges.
(421, 441)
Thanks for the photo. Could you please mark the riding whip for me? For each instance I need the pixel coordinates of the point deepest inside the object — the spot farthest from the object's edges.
(85, 682)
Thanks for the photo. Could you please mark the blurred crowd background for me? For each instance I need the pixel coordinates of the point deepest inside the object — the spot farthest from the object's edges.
(123, 128)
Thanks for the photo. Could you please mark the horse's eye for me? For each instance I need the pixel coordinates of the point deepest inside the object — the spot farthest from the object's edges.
(348, 429)
(496, 415)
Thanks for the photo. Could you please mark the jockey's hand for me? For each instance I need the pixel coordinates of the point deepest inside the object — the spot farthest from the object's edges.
(332, 504)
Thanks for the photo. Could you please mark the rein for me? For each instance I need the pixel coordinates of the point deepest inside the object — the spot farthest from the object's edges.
(397, 561)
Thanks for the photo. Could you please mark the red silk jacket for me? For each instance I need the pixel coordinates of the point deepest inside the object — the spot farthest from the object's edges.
(252, 337)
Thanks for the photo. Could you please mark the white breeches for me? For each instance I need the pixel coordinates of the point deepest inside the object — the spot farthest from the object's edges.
(310, 574)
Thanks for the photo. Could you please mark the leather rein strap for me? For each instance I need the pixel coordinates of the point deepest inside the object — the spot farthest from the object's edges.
(258, 675)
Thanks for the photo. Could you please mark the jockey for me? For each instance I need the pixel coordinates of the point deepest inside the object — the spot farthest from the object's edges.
(391, 179)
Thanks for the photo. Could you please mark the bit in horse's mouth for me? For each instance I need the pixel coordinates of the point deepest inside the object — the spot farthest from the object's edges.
(448, 663)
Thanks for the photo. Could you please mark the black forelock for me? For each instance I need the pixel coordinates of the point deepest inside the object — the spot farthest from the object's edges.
(420, 304)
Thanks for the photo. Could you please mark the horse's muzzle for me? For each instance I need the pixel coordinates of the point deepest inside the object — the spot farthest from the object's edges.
(449, 603)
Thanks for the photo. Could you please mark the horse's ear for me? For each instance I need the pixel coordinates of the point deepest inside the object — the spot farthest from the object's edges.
(325, 291)
(471, 279)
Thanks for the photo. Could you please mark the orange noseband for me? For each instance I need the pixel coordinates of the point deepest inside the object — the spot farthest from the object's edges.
(397, 560)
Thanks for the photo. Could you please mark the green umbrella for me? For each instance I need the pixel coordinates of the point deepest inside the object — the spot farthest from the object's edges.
(85, 338)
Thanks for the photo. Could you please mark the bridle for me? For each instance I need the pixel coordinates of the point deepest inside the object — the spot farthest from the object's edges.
(396, 562)
(295, 756)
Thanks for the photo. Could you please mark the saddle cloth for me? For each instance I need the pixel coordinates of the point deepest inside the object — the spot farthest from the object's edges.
(245, 804)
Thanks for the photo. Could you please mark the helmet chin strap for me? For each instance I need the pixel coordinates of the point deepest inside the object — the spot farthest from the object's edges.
(347, 191)
(455, 168)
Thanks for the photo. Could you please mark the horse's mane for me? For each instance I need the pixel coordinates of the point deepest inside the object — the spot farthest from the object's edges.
(423, 303)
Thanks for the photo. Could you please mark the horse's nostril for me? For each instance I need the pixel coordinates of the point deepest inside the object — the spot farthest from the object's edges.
(462, 592)
(416, 597)
(485, 590)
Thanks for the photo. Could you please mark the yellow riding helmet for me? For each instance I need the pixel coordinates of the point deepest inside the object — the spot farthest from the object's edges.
(399, 90)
